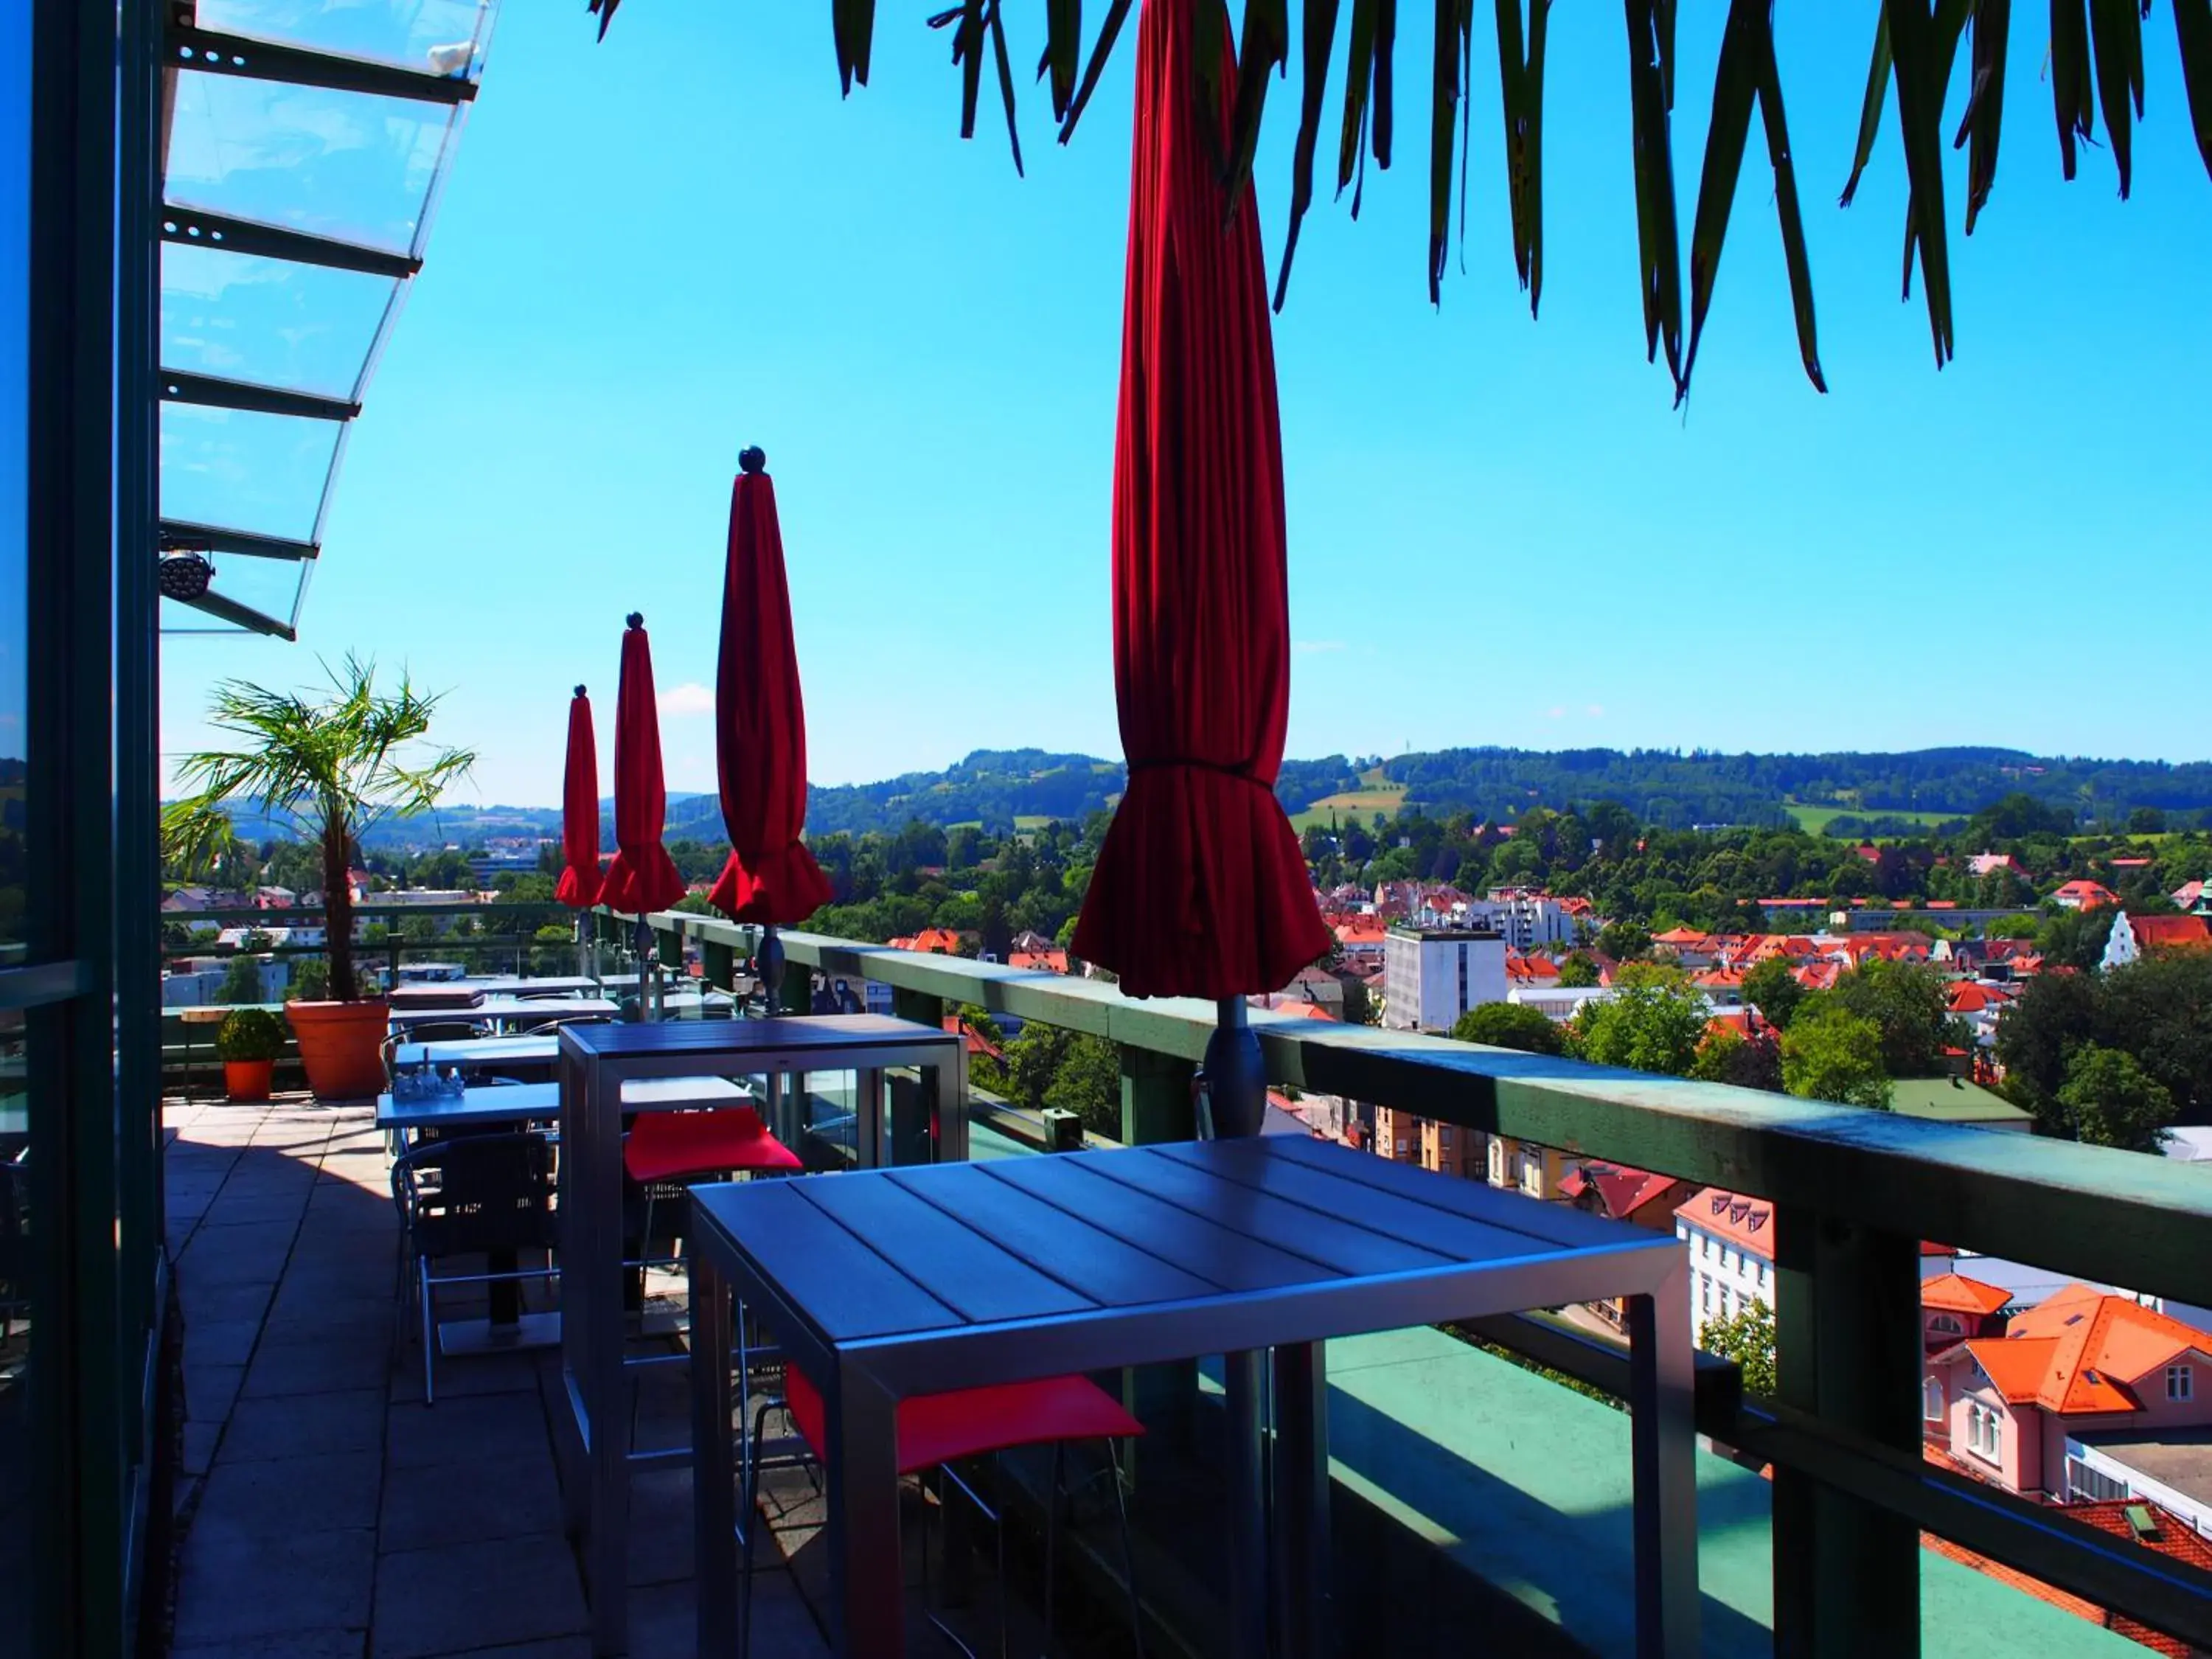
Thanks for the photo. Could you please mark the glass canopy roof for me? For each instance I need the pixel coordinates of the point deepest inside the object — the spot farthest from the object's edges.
(304, 146)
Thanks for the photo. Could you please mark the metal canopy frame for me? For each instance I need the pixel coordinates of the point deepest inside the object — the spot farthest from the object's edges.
(270, 453)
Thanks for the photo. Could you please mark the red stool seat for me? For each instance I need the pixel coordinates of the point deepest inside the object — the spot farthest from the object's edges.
(667, 1146)
(938, 1428)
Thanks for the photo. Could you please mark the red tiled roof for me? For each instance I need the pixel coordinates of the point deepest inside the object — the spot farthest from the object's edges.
(1748, 1222)
(2085, 893)
(1047, 961)
(1621, 1190)
(2130, 864)
(1955, 1293)
(2170, 933)
(2079, 1351)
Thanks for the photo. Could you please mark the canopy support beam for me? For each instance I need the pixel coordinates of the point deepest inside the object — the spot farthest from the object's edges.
(243, 615)
(217, 393)
(245, 543)
(191, 48)
(192, 228)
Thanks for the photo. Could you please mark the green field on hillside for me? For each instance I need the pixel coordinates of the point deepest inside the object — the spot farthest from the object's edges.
(1814, 820)
(1384, 798)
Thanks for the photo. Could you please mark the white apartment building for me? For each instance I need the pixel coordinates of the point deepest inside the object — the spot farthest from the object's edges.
(1731, 1243)
(1557, 1002)
(1431, 976)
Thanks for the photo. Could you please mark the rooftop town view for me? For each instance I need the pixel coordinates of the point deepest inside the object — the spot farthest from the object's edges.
(1592, 1035)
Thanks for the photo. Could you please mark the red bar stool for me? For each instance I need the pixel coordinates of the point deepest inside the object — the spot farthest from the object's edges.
(674, 1149)
(936, 1429)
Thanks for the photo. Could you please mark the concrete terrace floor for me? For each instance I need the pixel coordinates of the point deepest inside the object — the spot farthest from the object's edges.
(325, 1511)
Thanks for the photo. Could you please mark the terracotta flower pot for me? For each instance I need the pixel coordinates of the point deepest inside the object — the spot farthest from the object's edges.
(339, 1045)
(247, 1079)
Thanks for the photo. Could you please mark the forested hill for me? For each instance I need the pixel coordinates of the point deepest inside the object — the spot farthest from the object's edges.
(1873, 793)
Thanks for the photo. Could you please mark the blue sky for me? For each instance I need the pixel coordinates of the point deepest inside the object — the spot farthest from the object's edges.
(654, 251)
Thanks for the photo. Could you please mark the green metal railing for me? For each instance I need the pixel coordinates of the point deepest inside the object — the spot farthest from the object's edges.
(1855, 1192)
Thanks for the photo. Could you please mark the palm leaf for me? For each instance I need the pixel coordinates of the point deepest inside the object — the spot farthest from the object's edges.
(1265, 44)
(1117, 12)
(1877, 89)
(2069, 77)
(1063, 51)
(1386, 48)
(1320, 36)
(852, 22)
(2192, 22)
(1519, 77)
(1984, 103)
(1005, 79)
(1658, 238)
(1358, 80)
(1786, 208)
(1916, 55)
(1948, 26)
(1736, 87)
(2116, 30)
(1444, 117)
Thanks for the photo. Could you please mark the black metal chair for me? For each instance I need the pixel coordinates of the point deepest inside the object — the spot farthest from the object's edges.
(490, 1195)
(15, 1242)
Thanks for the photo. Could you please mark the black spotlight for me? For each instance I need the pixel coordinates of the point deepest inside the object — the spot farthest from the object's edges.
(186, 572)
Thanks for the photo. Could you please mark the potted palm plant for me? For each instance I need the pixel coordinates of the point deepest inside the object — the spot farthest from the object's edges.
(249, 1041)
(332, 766)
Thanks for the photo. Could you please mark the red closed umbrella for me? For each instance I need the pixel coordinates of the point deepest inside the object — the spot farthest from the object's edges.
(580, 811)
(642, 877)
(760, 721)
(1200, 889)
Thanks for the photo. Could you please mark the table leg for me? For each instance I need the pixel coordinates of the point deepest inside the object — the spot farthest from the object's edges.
(597, 1282)
(1302, 1565)
(866, 1569)
(506, 1294)
(1663, 1440)
(712, 1510)
(1244, 1376)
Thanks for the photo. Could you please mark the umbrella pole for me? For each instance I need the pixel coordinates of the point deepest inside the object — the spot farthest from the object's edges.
(648, 968)
(1236, 1081)
(767, 959)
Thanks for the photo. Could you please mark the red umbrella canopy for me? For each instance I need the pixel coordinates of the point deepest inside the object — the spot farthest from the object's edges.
(760, 721)
(1200, 889)
(642, 877)
(580, 811)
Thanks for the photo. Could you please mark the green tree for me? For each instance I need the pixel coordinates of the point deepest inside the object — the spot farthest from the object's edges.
(1510, 1025)
(1623, 941)
(2110, 1101)
(1728, 1056)
(1577, 972)
(2146, 821)
(1653, 1022)
(2075, 938)
(310, 979)
(1088, 1083)
(1747, 1338)
(2160, 1010)
(1775, 990)
(339, 764)
(1829, 1053)
(1905, 1002)
(241, 982)
(2037, 1035)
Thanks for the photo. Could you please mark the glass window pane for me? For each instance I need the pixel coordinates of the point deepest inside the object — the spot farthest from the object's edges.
(272, 586)
(438, 37)
(344, 165)
(245, 472)
(270, 322)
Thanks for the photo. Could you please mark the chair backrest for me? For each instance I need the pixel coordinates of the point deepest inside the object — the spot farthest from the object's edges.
(492, 1193)
(444, 1031)
(552, 1027)
(15, 1229)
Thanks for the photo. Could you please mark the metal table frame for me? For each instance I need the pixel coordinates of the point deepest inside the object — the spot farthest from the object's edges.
(592, 1435)
(862, 1381)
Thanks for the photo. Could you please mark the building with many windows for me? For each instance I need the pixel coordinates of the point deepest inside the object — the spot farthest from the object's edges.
(1431, 976)
(1731, 1242)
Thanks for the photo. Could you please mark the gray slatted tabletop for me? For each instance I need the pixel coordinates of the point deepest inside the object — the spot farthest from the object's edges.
(884, 1285)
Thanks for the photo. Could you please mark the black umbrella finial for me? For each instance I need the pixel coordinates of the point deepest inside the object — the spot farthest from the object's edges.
(637, 619)
(580, 691)
(752, 461)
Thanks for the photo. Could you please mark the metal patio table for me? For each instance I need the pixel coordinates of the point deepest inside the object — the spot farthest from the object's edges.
(517, 1052)
(529, 1011)
(598, 1064)
(884, 1285)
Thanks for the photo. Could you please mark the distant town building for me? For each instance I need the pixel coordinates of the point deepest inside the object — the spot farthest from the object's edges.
(2134, 937)
(1431, 976)
(2083, 895)
(1730, 1237)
